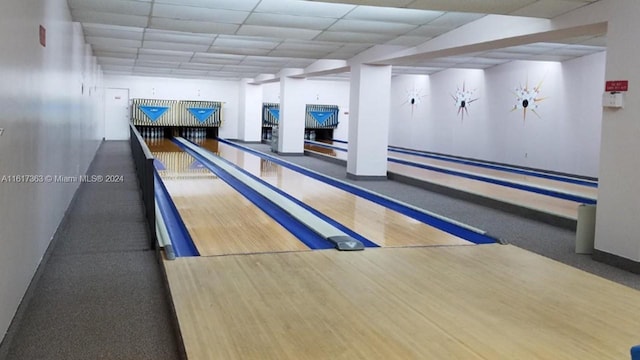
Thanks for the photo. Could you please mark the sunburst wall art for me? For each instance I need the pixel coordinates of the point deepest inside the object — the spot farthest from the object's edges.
(413, 98)
(463, 99)
(528, 99)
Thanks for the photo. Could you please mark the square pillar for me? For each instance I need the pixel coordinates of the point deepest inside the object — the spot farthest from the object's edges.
(369, 104)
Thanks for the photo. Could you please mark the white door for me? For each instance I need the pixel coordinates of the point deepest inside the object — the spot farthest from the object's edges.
(116, 115)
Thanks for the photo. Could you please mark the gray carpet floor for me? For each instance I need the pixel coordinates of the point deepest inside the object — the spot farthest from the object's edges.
(99, 293)
(547, 240)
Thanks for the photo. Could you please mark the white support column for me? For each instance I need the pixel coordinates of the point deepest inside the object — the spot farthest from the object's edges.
(250, 114)
(617, 227)
(369, 121)
(292, 113)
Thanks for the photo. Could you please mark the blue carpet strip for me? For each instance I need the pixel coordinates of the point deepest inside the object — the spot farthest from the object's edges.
(366, 242)
(178, 234)
(529, 188)
(446, 226)
(310, 238)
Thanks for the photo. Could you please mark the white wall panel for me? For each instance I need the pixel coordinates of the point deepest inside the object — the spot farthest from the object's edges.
(51, 100)
(562, 135)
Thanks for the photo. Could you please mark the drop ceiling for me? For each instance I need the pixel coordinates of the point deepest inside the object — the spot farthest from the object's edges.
(233, 39)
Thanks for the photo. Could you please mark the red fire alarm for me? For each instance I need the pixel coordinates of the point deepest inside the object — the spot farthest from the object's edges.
(43, 36)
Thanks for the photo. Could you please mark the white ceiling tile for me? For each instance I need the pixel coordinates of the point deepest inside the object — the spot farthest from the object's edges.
(304, 8)
(278, 32)
(386, 14)
(113, 6)
(109, 67)
(108, 18)
(198, 66)
(319, 46)
(179, 37)
(115, 61)
(548, 57)
(428, 31)
(114, 50)
(152, 70)
(238, 51)
(282, 20)
(109, 42)
(354, 37)
(220, 59)
(190, 72)
(165, 58)
(242, 5)
(297, 53)
(111, 31)
(371, 27)
(454, 20)
(199, 14)
(476, 6)
(473, 66)
(192, 26)
(548, 8)
(504, 55)
(408, 40)
(156, 63)
(236, 42)
(166, 52)
(174, 46)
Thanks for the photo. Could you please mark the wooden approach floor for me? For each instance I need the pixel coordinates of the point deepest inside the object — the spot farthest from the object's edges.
(458, 302)
(559, 207)
(426, 302)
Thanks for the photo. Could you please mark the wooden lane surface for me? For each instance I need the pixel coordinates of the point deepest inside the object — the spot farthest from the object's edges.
(576, 189)
(462, 302)
(220, 220)
(548, 204)
(383, 226)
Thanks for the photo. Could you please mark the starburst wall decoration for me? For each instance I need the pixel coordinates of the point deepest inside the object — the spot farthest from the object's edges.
(463, 99)
(527, 99)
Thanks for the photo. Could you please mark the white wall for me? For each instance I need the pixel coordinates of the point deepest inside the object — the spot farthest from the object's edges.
(51, 127)
(325, 92)
(563, 135)
(186, 89)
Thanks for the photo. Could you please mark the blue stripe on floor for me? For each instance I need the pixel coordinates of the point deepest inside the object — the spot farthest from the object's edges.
(310, 238)
(451, 228)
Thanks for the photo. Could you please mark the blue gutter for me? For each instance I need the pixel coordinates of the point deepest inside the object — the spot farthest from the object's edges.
(178, 234)
(310, 238)
(444, 225)
(529, 188)
(366, 242)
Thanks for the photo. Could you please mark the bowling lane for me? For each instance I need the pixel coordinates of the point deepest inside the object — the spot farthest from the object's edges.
(383, 226)
(220, 220)
(548, 204)
(564, 208)
(576, 189)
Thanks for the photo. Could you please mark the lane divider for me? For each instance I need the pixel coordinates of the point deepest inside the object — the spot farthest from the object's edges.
(181, 241)
(492, 180)
(445, 224)
(331, 235)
